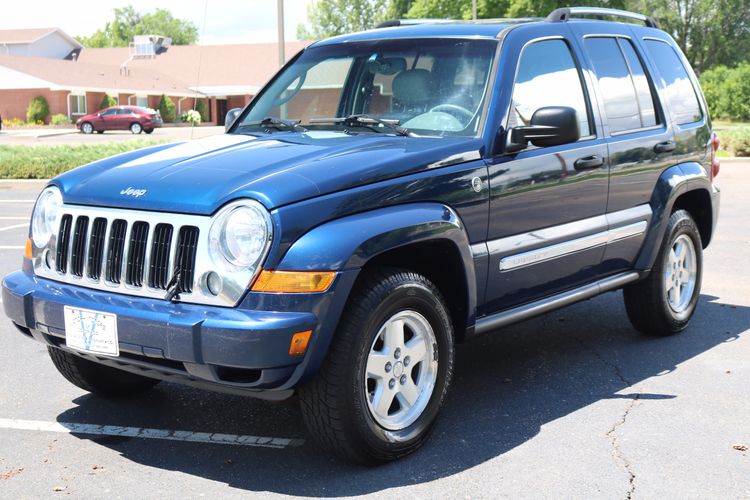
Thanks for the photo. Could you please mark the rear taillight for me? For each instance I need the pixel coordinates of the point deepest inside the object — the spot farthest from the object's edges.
(715, 166)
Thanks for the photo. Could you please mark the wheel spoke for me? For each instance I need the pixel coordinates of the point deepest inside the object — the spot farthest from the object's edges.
(394, 334)
(376, 365)
(676, 294)
(668, 284)
(382, 399)
(408, 393)
(416, 350)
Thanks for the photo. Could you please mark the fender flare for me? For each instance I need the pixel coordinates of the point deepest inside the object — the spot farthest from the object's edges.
(672, 183)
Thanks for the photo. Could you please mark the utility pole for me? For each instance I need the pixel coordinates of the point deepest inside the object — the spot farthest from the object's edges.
(474, 9)
(280, 28)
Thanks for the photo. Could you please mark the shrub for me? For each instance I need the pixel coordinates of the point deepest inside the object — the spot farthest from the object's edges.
(737, 141)
(201, 108)
(59, 119)
(38, 110)
(191, 116)
(167, 109)
(14, 122)
(727, 91)
(107, 102)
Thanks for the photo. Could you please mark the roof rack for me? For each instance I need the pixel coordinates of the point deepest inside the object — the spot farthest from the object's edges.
(566, 13)
(392, 23)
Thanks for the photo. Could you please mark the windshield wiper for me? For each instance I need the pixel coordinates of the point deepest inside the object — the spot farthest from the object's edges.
(365, 121)
(278, 123)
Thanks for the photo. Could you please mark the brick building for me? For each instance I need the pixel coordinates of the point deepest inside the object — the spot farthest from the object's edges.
(74, 79)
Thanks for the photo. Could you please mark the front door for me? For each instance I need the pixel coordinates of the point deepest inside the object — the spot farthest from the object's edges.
(547, 229)
(221, 111)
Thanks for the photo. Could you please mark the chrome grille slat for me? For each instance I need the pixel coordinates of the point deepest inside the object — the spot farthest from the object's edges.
(125, 252)
(78, 246)
(63, 235)
(95, 254)
(159, 272)
(116, 251)
(136, 253)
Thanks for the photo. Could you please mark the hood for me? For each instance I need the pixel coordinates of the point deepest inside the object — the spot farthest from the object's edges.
(200, 176)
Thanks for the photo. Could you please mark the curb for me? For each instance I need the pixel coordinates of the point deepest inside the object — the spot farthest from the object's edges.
(735, 159)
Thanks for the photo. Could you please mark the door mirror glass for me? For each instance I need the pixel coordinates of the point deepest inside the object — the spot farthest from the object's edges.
(550, 126)
(232, 115)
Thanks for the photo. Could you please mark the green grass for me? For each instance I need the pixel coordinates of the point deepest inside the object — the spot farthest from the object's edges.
(45, 162)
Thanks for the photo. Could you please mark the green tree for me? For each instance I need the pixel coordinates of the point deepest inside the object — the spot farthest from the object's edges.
(107, 102)
(200, 107)
(167, 109)
(397, 9)
(37, 110)
(336, 17)
(128, 22)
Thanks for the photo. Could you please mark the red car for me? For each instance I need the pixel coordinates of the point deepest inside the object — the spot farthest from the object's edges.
(133, 118)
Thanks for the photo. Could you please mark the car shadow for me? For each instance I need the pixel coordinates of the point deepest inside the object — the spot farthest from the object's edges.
(507, 385)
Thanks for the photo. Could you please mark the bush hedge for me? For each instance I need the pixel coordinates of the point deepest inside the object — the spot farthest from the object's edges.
(59, 119)
(201, 108)
(736, 141)
(38, 110)
(727, 91)
(167, 109)
(107, 102)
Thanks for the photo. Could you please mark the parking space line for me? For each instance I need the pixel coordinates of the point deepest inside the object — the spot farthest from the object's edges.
(11, 247)
(14, 218)
(13, 227)
(17, 201)
(146, 433)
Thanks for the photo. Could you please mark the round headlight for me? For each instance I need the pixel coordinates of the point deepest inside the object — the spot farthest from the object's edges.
(240, 234)
(44, 219)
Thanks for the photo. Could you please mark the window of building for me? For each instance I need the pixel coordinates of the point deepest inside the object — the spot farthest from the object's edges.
(548, 76)
(628, 101)
(141, 102)
(681, 95)
(78, 105)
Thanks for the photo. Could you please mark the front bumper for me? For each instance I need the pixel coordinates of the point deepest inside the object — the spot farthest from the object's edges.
(230, 349)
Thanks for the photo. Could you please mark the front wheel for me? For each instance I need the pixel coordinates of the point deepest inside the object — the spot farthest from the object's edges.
(136, 128)
(87, 128)
(663, 303)
(96, 378)
(379, 391)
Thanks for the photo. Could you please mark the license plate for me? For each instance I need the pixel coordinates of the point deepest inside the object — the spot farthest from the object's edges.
(91, 331)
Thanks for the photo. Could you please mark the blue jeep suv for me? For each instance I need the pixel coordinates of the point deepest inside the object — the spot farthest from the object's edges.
(386, 195)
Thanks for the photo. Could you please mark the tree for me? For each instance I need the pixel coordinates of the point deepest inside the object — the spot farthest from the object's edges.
(38, 110)
(167, 109)
(127, 23)
(336, 17)
(200, 107)
(107, 102)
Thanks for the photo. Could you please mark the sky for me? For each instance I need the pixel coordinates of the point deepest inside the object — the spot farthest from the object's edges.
(225, 21)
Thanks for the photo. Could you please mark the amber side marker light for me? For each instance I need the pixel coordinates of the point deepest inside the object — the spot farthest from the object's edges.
(298, 346)
(293, 281)
(27, 249)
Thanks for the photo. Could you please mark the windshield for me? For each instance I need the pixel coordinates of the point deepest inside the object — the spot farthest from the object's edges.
(425, 86)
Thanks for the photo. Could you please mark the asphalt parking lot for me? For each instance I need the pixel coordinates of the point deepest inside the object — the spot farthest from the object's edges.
(574, 404)
(59, 137)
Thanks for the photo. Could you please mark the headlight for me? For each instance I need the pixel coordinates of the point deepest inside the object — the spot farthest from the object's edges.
(239, 236)
(44, 218)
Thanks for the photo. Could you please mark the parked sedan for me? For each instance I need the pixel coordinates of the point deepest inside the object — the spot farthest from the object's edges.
(133, 118)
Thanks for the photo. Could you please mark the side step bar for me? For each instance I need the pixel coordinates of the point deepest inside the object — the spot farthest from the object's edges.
(526, 311)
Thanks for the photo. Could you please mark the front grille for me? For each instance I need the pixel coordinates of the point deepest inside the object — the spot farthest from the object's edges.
(135, 253)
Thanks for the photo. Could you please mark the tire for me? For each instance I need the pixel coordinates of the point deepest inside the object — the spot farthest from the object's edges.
(98, 379)
(149, 130)
(343, 405)
(136, 128)
(87, 128)
(663, 303)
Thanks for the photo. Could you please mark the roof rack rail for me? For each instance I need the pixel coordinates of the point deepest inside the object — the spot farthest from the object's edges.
(392, 23)
(565, 13)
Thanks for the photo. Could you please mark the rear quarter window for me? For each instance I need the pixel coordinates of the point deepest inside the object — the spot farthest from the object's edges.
(680, 92)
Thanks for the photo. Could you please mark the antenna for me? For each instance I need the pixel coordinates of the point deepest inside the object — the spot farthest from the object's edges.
(200, 57)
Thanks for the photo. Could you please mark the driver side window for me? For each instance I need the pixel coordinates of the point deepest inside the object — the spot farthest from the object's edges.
(547, 76)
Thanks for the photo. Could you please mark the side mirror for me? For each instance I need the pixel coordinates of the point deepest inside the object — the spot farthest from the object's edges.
(550, 126)
(231, 117)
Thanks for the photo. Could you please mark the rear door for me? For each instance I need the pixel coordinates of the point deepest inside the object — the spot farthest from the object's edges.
(640, 139)
(108, 119)
(547, 204)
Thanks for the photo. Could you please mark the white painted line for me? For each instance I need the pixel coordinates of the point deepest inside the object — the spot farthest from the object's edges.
(13, 227)
(14, 218)
(17, 201)
(146, 433)
(6, 247)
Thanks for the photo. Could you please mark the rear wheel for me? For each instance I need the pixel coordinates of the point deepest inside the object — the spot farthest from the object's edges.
(148, 130)
(87, 128)
(136, 128)
(378, 393)
(664, 302)
(96, 378)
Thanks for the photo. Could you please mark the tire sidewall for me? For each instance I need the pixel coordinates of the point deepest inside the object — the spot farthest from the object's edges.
(418, 297)
(87, 128)
(680, 224)
(136, 128)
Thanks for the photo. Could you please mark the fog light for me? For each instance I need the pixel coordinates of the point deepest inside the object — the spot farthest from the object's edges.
(298, 346)
(213, 283)
(48, 259)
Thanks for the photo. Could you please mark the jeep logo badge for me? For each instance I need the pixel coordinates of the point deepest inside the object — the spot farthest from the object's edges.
(136, 193)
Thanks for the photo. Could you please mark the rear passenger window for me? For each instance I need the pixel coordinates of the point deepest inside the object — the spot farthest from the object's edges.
(681, 96)
(548, 76)
(628, 101)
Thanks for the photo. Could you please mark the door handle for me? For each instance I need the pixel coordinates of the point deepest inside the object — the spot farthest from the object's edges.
(589, 162)
(665, 147)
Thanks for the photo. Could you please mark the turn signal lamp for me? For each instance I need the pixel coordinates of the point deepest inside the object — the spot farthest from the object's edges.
(298, 346)
(715, 166)
(293, 281)
(27, 249)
